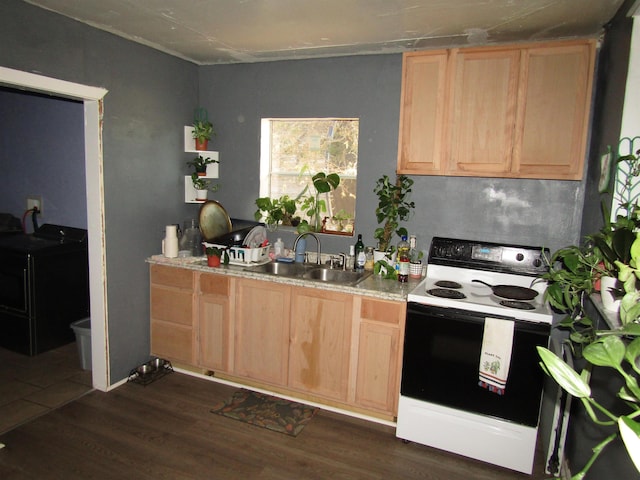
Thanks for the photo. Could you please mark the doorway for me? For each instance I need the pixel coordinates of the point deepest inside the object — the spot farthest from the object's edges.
(92, 98)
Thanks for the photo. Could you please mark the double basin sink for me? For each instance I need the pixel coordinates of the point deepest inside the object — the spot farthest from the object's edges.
(312, 272)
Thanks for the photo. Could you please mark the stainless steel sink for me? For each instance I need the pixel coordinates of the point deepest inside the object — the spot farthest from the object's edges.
(310, 271)
(280, 269)
(342, 277)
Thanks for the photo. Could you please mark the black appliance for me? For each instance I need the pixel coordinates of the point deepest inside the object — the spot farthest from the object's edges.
(44, 287)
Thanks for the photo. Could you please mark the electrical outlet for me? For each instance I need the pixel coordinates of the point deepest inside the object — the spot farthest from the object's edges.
(34, 201)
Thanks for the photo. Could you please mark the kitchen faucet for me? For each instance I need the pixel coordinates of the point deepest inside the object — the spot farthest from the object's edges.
(295, 244)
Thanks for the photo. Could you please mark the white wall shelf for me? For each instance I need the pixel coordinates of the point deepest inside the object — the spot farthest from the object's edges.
(212, 168)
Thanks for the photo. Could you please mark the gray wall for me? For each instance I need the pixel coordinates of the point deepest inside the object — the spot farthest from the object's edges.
(530, 212)
(42, 153)
(151, 96)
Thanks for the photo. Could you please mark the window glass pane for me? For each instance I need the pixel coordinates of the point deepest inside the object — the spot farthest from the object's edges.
(296, 149)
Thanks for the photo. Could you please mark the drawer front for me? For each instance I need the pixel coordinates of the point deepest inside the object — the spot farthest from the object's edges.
(172, 277)
(381, 311)
(171, 305)
(214, 284)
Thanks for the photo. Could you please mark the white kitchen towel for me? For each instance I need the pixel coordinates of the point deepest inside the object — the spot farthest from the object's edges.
(495, 356)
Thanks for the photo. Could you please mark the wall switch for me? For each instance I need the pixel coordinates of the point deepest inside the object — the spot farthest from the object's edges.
(35, 201)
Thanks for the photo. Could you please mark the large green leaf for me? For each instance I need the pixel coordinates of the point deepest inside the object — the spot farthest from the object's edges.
(632, 354)
(605, 352)
(564, 375)
(630, 433)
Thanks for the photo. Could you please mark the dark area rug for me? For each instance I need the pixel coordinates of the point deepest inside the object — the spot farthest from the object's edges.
(266, 411)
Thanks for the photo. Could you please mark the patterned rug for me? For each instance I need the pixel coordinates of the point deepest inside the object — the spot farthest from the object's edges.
(266, 411)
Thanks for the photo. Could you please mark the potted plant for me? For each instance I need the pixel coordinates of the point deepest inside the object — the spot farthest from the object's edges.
(415, 267)
(393, 207)
(199, 164)
(202, 129)
(202, 186)
(618, 349)
(274, 211)
(216, 255)
(313, 205)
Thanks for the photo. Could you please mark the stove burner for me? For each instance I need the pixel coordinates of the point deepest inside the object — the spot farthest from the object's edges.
(517, 304)
(446, 293)
(448, 284)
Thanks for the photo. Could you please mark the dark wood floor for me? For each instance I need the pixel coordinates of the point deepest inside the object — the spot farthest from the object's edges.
(166, 431)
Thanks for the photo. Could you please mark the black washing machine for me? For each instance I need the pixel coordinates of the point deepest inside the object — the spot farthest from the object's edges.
(44, 287)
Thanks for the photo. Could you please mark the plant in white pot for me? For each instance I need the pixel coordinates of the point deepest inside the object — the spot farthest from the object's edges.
(202, 187)
(393, 208)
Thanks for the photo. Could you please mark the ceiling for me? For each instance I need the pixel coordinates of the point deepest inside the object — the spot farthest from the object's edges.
(244, 31)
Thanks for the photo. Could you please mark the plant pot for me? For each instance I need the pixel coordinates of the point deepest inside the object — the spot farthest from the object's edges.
(415, 270)
(610, 301)
(201, 144)
(213, 261)
(201, 195)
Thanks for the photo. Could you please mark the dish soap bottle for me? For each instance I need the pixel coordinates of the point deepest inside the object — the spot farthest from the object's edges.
(403, 259)
(278, 248)
(360, 256)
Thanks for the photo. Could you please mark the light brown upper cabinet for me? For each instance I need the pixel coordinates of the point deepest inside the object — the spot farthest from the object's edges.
(505, 111)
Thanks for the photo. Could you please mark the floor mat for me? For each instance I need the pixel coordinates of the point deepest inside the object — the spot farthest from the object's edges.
(266, 411)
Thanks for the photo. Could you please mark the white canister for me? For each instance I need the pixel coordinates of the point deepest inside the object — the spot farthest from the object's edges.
(170, 242)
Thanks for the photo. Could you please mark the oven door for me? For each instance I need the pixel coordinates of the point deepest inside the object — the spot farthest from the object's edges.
(441, 359)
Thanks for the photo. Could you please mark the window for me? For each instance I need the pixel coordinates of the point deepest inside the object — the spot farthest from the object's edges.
(295, 149)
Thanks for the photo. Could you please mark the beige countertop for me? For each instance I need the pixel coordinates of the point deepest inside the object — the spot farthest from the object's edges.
(373, 286)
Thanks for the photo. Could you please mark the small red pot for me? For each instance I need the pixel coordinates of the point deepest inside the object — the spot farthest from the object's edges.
(213, 261)
(201, 145)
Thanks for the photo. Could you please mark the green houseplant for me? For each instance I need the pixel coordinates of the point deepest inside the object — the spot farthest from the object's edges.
(314, 206)
(393, 207)
(200, 163)
(274, 211)
(202, 186)
(202, 129)
(619, 350)
(216, 255)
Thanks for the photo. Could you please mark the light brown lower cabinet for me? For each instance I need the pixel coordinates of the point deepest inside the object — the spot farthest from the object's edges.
(214, 321)
(172, 314)
(380, 339)
(320, 342)
(317, 344)
(262, 330)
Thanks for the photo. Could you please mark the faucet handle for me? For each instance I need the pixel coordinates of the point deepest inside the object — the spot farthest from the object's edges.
(343, 257)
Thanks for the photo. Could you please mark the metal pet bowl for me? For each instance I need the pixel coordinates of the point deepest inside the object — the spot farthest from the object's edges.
(146, 369)
(158, 363)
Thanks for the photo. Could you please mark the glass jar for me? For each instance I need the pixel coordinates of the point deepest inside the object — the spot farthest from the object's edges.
(368, 258)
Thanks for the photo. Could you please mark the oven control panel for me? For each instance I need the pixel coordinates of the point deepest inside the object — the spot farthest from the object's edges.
(505, 258)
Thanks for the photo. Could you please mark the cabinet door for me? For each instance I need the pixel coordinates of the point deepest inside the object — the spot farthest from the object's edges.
(379, 354)
(422, 112)
(320, 342)
(214, 323)
(483, 111)
(262, 330)
(553, 116)
(172, 298)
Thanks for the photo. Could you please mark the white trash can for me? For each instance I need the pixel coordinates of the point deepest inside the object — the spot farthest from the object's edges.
(82, 329)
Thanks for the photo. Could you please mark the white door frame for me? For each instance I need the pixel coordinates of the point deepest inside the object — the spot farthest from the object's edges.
(92, 98)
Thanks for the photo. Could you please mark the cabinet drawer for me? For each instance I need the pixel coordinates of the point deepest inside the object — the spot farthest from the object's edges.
(381, 311)
(214, 284)
(172, 277)
(171, 305)
(172, 341)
